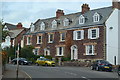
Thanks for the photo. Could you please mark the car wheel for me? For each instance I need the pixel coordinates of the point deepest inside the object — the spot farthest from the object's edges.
(119, 72)
(29, 64)
(21, 63)
(36, 64)
(92, 68)
(14, 63)
(97, 68)
(46, 64)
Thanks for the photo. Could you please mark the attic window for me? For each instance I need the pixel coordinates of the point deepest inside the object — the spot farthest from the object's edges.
(66, 22)
(54, 24)
(42, 26)
(32, 27)
(5, 28)
(81, 19)
(96, 17)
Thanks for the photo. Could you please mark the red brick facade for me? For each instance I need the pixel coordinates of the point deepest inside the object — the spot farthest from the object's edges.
(99, 43)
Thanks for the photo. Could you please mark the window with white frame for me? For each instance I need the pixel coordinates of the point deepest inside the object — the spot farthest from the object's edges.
(35, 51)
(60, 51)
(78, 35)
(39, 39)
(62, 36)
(90, 49)
(54, 24)
(32, 27)
(96, 17)
(93, 33)
(5, 28)
(50, 38)
(81, 19)
(28, 40)
(66, 22)
(42, 26)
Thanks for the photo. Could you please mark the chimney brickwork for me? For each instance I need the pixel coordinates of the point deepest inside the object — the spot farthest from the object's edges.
(85, 8)
(59, 13)
(116, 4)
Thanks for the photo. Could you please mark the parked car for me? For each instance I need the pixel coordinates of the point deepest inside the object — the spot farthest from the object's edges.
(101, 65)
(45, 62)
(21, 61)
(118, 71)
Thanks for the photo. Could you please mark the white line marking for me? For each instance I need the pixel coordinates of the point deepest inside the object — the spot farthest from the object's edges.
(71, 73)
(85, 78)
(27, 75)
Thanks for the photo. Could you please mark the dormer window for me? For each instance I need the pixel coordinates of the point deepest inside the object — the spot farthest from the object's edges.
(5, 28)
(96, 17)
(32, 27)
(54, 24)
(42, 26)
(66, 22)
(81, 19)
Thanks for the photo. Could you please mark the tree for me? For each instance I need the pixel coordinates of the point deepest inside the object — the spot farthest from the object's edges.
(27, 52)
(4, 34)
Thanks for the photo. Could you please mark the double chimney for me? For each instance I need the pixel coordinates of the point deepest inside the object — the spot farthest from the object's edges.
(59, 13)
(116, 4)
(85, 8)
(19, 25)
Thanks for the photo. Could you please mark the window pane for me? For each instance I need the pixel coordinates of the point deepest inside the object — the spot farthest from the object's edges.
(78, 34)
(51, 37)
(90, 49)
(94, 33)
(63, 36)
(39, 39)
(60, 50)
(28, 39)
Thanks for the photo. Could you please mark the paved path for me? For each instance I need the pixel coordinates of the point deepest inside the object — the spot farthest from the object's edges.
(10, 73)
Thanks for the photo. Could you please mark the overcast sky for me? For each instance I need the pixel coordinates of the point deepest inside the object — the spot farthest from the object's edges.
(27, 11)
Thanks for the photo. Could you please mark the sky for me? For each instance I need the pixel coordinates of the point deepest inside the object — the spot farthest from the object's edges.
(30, 11)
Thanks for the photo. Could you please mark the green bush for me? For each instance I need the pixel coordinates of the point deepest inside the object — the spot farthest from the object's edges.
(48, 57)
(65, 59)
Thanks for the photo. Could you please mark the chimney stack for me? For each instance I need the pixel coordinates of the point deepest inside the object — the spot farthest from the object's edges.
(19, 25)
(85, 8)
(116, 4)
(59, 13)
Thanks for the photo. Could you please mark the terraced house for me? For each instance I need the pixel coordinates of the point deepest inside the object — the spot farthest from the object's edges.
(85, 35)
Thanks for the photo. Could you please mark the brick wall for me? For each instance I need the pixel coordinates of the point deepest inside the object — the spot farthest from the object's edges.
(99, 47)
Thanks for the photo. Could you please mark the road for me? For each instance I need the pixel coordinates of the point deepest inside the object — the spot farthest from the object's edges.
(67, 72)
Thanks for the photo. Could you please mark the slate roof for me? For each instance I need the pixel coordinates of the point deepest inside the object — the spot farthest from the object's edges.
(15, 33)
(10, 26)
(74, 20)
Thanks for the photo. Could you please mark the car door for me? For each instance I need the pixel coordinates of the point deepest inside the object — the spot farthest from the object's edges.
(42, 61)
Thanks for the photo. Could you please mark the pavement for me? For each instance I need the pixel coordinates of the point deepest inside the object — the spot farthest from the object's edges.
(11, 74)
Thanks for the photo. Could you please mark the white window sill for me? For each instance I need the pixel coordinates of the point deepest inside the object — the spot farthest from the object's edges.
(50, 42)
(62, 41)
(81, 23)
(28, 44)
(94, 38)
(89, 54)
(59, 55)
(38, 43)
(78, 39)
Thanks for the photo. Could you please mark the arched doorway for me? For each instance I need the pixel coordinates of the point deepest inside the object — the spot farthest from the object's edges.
(74, 52)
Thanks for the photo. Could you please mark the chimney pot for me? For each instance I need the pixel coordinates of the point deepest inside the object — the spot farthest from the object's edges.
(116, 4)
(19, 25)
(85, 8)
(59, 13)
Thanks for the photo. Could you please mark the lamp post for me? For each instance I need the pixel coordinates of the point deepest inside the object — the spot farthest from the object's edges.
(17, 62)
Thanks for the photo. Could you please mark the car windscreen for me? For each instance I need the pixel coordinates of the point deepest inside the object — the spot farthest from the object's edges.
(105, 62)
